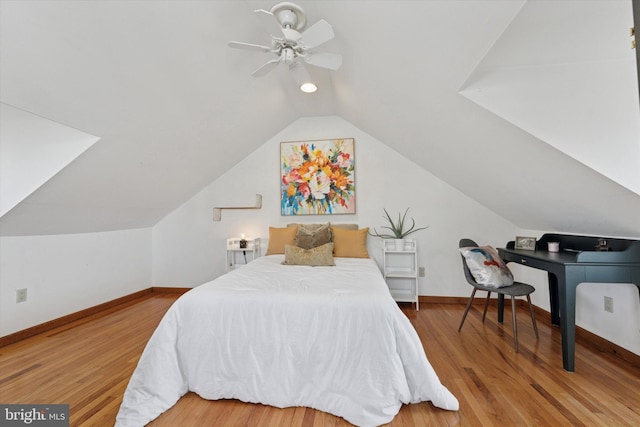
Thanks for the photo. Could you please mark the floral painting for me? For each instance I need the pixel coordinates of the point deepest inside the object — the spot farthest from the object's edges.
(317, 177)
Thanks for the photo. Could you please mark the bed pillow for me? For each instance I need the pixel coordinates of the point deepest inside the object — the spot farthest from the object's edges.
(308, 238)
(318, 256)
(279, 237)
(308, 227)
(350, 243)
(346, 226)
(486, 266)
(316, 226)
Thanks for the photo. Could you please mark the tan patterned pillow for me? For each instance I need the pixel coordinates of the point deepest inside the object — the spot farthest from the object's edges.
(321, 255)
(308, 238)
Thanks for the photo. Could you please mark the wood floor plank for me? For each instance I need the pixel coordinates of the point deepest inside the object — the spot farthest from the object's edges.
(87, 364)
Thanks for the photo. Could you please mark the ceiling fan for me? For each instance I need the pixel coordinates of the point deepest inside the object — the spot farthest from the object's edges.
(293, 47)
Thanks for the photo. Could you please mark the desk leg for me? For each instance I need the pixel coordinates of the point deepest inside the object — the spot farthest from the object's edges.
(553, 299)
(567, 306)
(635, 278)
(500, 308)
(568, 327)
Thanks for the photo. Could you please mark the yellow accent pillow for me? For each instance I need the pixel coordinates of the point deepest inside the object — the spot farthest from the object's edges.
(350, 243)
(278, 237)
(320, 255)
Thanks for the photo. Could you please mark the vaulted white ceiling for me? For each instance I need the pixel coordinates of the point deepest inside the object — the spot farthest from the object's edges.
(175, 108)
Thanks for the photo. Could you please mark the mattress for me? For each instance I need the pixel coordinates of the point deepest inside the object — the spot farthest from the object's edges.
(329, 338)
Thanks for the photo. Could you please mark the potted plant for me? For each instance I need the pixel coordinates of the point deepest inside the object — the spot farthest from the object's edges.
(398, 230)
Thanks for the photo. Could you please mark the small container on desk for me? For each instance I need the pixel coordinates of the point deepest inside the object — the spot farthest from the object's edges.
(241, 250)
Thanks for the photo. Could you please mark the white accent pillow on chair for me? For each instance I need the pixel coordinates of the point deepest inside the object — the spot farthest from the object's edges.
(487, 267)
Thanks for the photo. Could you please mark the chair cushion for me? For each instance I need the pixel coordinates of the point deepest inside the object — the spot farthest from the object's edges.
(487, 267)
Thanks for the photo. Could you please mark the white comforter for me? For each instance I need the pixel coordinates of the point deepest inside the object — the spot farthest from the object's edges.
(329, 338)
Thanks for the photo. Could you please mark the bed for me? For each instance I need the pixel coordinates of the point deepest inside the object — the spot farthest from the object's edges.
(324, 337)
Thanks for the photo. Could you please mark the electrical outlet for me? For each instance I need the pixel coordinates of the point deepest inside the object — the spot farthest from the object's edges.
(420, 271)
(608, 304)
(21, 295)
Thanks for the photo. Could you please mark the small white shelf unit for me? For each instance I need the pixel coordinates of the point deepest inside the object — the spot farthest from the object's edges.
(400, 270)
(237, 256)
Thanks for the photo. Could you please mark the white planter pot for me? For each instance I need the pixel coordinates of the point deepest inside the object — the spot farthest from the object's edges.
(399, 244)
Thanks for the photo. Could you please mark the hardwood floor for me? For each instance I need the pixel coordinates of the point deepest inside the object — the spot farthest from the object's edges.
(87, 365)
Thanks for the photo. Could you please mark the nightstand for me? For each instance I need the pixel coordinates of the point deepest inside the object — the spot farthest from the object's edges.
(400, 269)
(238, 256)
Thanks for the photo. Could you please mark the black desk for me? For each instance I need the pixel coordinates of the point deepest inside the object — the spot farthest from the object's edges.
(567, 269)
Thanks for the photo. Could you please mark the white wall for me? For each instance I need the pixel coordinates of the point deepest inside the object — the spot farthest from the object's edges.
(64, 274)
(189, 248)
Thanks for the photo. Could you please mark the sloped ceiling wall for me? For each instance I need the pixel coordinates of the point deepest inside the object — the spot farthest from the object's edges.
(175, 108)
(546, 82)
(32, 150)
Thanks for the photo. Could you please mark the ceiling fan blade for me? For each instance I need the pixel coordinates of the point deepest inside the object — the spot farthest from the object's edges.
(269, 21)
(266, 68)
(317, 34)
(290, 35)
(332, 61)
(262, 12)
(248, 46)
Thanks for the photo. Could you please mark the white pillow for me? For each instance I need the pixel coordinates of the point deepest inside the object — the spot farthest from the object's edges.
(487, 267)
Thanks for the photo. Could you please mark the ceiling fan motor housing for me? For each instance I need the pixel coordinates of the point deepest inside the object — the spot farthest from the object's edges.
(288, 55)
(287, 18)
(289, 15)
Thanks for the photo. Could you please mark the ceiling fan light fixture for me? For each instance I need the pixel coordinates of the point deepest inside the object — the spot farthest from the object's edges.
(308, 87)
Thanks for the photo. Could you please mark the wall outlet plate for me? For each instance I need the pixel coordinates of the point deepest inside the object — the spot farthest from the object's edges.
(608, 304)
(420, 271)
(21, 295)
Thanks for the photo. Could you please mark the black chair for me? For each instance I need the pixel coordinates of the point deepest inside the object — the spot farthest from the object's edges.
(516, 290)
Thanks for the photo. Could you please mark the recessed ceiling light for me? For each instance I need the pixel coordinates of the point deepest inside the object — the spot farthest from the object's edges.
(308, 87)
